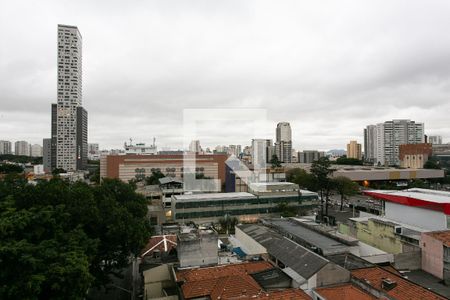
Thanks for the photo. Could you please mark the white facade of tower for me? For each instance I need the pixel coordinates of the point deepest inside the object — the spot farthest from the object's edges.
(283, 145)
(69, 96)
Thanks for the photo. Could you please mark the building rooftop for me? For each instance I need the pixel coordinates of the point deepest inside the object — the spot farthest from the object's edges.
(267, 278)
(230, 282)
(349, 261)
(344, 292)
(443, 236)
(304, 235)
(214, 196)
(161, 243)
(401, 288)
(295, 257)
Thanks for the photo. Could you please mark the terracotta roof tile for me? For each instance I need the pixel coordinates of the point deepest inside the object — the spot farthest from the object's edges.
(404, 289)
(231, 282)
(344, 292)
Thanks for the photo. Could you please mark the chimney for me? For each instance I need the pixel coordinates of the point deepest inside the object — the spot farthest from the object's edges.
(388, 284)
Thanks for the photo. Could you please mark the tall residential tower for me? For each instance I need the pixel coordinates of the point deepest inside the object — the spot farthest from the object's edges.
(283, 145)
(69, 118)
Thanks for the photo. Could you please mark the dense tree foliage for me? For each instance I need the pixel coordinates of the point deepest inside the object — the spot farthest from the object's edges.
(344, 160)
(58, 239)
(10, 168)
(304, 179)
(154, 178)
(275, 162)
(21, 159)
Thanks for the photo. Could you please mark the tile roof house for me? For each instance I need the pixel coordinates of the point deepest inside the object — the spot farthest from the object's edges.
(230, 282)
(307, 269)
(385, 284)
(343, 292)
(159, 244)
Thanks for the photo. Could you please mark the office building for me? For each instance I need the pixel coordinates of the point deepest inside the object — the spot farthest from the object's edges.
(389, 136)
(435, 139)
(283, 145)
(47, 154)
(35, 150)
(261, 153)
(234, 150)
(22, 148)
(195, 147)
(354, 150)
(309, 156)
(140, 148)
(5, 147)
(69, 119)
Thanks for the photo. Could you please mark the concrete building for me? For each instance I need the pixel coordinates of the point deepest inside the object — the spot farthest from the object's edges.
(436, 254)
(370, 139)
(283, 144)
(22, 148)
(126, 167)
(36, 150)
(366, 175)
(47, 155)
(197, 248)
(309, 156)
(262, 200)
(140, 148)
(69, 119)
(261, 153)
(93, 151)
(159, 284)
(415, 155)
(195, 147)
(235, 150)
(5, 147)
(435, 139)
(384, 140)
(354, 150)
(427, 209)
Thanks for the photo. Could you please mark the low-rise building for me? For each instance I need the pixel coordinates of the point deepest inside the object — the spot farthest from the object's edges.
(414, 155)
(436, 254)
(236, 281)
(307, 269)
(264, 200)
(197, 248)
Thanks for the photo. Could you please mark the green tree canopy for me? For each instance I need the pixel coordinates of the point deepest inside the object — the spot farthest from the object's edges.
(275, 162)
(321, 170)
(10, 168)
(345, 187)
(304, 179)
(154, 178)
(57, 238)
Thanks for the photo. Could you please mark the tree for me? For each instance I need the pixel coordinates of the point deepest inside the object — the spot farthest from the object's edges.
(304, 179)
(287, 210)
(66, 237)
(345, 187)
(227, 223)
(321, 170)
(432, 163)
(344, 160)
(275, 162)
(154, 178)
(10, 168)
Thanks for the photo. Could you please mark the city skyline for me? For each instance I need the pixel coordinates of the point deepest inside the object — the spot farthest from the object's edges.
(190, 57)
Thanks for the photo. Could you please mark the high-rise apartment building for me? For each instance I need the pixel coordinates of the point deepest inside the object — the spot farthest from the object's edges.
(5, 147)
(389, 136)
(69, 118)
(35, 150)
(435, 139)
(47, 154)
(283, 145)
(309, 156)
(261, 152)
(195, 147)
(22, 148)
(354, 150)
(370, 134)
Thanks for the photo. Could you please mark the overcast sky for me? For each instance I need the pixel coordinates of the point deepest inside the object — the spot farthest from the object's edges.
(328, 67)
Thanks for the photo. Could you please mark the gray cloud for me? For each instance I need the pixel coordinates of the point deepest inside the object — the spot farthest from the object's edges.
(329, 68)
